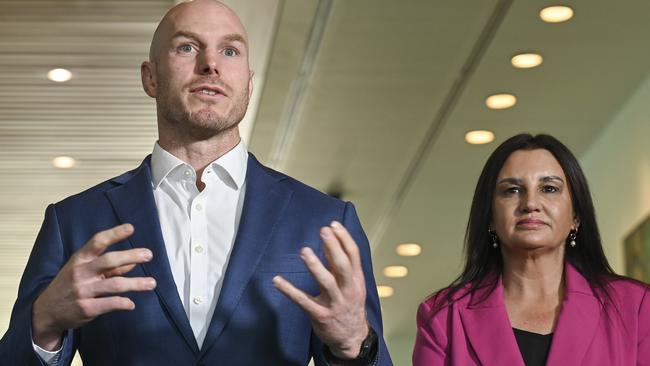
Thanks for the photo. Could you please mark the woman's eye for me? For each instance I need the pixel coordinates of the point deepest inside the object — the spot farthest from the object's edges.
(550, 189)
(230, 52)
(511, 190)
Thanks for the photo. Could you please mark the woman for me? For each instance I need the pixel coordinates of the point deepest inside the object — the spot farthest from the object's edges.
(536, 288)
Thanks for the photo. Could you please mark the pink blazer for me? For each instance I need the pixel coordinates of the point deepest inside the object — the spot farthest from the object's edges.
(465, 333)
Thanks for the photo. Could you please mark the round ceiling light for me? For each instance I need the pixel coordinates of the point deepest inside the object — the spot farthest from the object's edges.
(479, 137)
(501, 101)
(63, 162)
(396, 271)
(59, 75)
(408, 249)
(556, 14)
(385, 291)
(526, 60)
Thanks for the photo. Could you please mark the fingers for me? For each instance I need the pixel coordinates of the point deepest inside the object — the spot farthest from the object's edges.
(103, 239)
(117, 285)
(325, 279)
(303, 300)
(119, 270)
(92, 308)
(349, 245)
(336, 257)
(119, 259)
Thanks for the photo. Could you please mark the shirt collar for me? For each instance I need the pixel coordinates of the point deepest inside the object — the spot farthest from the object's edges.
(234, 162)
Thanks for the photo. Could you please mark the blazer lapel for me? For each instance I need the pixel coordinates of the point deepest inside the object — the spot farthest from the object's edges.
(577, 323)
(488, 328)
(134, 203)
(264, 202)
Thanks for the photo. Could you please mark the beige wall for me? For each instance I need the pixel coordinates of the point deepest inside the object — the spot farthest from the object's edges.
(617, 166)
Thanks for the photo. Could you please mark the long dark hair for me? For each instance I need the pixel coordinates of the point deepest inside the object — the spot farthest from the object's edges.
(484, 265)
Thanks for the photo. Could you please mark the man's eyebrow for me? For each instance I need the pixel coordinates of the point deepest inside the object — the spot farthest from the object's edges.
(232, 37)
(186, 34)
(235, 37)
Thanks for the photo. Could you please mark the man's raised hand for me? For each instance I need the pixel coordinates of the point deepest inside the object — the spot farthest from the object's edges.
(87, 286)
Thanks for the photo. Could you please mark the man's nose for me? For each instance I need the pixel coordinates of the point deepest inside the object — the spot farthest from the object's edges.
(208, 62)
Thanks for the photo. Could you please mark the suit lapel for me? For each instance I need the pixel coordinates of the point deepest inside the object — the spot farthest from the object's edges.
(488, 329)
(577, 323)
(264, 202)
(134, 203)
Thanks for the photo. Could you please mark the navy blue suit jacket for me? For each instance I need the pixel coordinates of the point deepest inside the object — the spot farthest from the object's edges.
(253, 323)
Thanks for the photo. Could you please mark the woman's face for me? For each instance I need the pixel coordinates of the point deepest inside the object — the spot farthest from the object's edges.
(531, 206)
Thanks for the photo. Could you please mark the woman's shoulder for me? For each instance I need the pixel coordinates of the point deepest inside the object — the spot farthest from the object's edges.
(439, 303)
(629, 291)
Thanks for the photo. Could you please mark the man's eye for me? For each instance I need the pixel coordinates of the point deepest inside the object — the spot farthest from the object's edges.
(186, 48)
(230, 52)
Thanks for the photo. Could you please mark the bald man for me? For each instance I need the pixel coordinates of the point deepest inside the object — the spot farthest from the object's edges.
(201, 255)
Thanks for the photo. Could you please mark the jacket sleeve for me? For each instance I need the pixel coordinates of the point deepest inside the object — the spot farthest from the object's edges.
(373, 310)
(47, 257)
(430, 340)
(643, 358)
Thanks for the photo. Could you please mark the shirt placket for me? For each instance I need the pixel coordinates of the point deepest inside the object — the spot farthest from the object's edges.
(199, 301)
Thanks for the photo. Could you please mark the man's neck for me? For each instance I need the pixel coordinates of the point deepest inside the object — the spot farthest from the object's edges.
(199, 153)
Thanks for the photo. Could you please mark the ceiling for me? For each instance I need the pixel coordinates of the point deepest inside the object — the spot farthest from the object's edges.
(368, 97)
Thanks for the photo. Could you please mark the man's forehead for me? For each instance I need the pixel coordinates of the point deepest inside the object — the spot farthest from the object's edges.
(210, 14)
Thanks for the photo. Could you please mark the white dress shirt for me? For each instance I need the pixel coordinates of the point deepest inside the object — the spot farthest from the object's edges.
(198, 228)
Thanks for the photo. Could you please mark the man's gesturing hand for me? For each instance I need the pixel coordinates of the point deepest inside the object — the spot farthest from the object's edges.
(85, 287)
(338, 314)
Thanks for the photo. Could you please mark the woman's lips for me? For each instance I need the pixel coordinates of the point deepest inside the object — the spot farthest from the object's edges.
(530, 223)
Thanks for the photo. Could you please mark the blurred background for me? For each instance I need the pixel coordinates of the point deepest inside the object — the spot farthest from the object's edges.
(368, 100)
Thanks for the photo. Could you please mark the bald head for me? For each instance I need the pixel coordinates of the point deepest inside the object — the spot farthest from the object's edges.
(209, 11)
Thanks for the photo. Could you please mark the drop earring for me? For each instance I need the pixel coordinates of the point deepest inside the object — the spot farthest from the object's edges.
(493, 238)
(572, 237)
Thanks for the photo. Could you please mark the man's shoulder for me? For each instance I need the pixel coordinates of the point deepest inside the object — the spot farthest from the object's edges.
(97, 192)
(302, 190)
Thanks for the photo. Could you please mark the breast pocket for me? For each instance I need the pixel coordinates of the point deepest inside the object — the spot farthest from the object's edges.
(289, 263)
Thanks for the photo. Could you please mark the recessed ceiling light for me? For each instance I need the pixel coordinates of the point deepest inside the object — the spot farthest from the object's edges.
(385, 291)
(59, 75)
(500, 101)
(556, 14)
(408, 249)
(63, 162)
(479, 137)
(526, 60)
(396, 271)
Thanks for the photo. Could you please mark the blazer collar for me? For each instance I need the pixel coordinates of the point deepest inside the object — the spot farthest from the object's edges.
(133, 202)
(485, 320)
(488, 328)
(265, 201)
(577, 322)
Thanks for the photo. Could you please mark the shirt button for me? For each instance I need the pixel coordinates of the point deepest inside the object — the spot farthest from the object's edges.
(198, 207)
(197, 300)
(198, 249)
(188, 173)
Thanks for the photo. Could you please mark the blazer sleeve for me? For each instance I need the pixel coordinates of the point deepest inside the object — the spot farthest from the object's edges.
(643, 358)
(373, 310)
(45, 261)
(431, 339)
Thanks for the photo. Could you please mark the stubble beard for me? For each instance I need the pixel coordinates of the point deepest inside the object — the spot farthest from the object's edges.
(205, 122)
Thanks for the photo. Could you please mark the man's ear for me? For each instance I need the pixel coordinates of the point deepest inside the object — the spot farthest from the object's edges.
(148, 75)
(250, 84)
